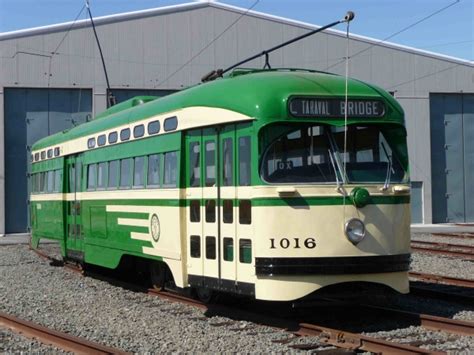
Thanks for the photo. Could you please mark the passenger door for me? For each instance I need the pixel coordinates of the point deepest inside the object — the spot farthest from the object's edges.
(219, 230)
(202, 212)
(227, 208)
(74, 235)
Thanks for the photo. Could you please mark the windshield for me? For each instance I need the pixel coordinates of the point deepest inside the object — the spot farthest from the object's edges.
(315, 154)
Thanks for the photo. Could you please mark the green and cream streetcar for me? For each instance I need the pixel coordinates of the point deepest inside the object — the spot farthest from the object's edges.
(267, 183)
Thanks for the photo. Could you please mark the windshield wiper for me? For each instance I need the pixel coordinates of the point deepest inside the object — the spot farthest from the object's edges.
(389, 168)
(334, 155)
(339, 184)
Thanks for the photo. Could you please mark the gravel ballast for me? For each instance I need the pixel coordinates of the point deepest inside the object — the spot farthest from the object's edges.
(12, 343)
(56, 297)
(63, 300)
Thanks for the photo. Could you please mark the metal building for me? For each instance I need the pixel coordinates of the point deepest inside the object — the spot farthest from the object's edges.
(45, 88)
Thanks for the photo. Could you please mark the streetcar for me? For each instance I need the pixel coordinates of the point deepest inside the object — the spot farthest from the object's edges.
(273, 184)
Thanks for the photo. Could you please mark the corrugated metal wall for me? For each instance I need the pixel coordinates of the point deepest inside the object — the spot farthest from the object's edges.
(153, 51)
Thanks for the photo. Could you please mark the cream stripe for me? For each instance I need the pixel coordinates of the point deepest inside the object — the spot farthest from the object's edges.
(47, 197)
(168, 254)
(189, 117)
(127, 208)
(226, 192)
(141, 194)
(140, 236)
(133, 222)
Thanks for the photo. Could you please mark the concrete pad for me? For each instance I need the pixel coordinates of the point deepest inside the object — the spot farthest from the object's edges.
(442, 228)
(21, 238)
(10, 239)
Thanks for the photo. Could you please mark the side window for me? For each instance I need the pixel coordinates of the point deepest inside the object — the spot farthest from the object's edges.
(195, 247)
(43, 181)
(244, 161)
(43, 155)
(195, 164)
(91, 176)
(50, 181)
(170, 169)
(210, 248)
(245, 251)
(245, 212)
(72, 176)
(56, 152)
(153, 127)
(139, 172)
(210, 211)
(50, 153)
(113, 174)
(228, 247)
(57, 180)
(154, 170)
(170, 124)
(195, 211)
(101, 174)
(125, 134)
(227, 211)
(228, 163)
(78, 176)
(210, 164)
(125, 167)
(113, 137)
(91, 143)
(138, 131)
(101, 140)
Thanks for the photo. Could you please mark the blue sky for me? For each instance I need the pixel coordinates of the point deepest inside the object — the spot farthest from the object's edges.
(450, 32)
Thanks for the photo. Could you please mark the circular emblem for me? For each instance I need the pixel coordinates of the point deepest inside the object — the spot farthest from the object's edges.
(155, 227)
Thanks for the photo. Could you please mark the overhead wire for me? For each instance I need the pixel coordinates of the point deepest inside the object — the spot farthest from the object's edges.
(208, 45)
(52, 55)
(346, 99)
(444, 8)
(60, 43)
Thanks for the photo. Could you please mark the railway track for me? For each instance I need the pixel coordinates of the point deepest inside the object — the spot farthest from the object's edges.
(454, 235)
(441, 279)
(48, 336)
(339, 338)
(456, 250)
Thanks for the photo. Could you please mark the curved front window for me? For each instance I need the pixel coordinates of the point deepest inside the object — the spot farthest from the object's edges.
(315, 154)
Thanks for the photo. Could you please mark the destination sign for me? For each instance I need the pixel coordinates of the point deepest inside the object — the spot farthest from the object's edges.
(335, 108)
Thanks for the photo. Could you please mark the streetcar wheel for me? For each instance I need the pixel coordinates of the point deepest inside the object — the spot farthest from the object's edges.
(205, 295)
(158, 275)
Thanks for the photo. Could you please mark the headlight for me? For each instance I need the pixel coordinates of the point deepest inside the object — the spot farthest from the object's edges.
(355, 230)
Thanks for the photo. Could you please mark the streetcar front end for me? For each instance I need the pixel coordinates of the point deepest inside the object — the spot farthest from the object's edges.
(333, 206)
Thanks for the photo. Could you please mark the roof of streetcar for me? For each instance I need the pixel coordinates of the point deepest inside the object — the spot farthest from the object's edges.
(261, 94)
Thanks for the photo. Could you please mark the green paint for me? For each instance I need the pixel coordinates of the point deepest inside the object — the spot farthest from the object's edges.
(261, 94)
(360, 197)
(326, 201)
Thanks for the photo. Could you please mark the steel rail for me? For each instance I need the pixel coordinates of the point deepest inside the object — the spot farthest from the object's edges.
(449, 325)
(467, 235)
(442, 279)
(465, 247)
(468, 255)
(352, 341)
(336, 337)
(72, 267)
(52, 337)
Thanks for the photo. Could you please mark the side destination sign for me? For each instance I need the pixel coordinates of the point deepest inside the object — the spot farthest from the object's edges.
(332, 108)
